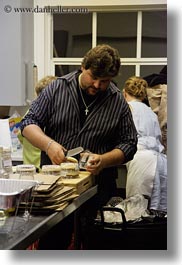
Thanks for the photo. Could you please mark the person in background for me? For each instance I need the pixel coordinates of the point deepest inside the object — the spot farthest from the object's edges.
(85, 108)
(157, 97)
(31, 154)
(147, 172)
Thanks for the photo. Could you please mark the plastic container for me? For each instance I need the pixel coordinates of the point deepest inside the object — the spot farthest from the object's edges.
(84, 159)
(51, 170)
(69, 170)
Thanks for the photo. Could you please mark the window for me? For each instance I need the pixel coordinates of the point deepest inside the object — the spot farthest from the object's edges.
(154, 34)
(139, 35)
(69, 40)
(118, 30)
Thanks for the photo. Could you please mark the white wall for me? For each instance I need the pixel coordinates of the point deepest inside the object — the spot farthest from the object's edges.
(100, 2)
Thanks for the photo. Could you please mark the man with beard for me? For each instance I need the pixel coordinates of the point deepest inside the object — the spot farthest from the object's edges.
(85, 108)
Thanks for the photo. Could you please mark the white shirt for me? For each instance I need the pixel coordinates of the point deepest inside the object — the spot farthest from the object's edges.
(147, 172)
(147, 125)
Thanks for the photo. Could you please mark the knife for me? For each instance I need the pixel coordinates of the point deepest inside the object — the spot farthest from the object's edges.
(74, 151)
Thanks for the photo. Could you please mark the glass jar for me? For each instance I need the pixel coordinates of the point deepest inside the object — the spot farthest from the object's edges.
(7, 160)
(26, 171)
(2, 171)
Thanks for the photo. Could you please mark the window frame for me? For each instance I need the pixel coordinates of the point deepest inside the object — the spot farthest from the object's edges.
(47, 37)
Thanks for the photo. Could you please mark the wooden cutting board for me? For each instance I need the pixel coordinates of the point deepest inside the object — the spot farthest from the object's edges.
(49, 182)
(81, 183)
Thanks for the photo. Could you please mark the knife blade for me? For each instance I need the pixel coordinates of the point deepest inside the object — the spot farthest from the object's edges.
(74, 151)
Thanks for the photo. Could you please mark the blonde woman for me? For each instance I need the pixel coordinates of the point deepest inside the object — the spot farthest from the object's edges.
(31, 154)
(147, 172)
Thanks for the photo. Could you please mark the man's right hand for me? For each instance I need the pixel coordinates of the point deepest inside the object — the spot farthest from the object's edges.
(56, 153)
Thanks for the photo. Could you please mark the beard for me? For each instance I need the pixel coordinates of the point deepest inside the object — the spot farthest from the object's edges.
(92, 91)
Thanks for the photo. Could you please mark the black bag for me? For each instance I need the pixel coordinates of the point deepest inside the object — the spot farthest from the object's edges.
(147, 234)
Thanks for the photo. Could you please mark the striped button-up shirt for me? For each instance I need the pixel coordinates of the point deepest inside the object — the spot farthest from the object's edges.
(109, 124)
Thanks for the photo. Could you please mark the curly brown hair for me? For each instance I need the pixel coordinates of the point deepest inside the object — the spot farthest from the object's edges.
(103, 61)
(42, 83)
(137, 87)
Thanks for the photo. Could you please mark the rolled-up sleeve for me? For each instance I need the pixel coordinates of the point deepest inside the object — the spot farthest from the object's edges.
(38, 113)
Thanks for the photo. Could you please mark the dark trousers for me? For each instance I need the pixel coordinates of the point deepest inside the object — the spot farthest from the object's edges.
(106, 189)
(59, 237)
